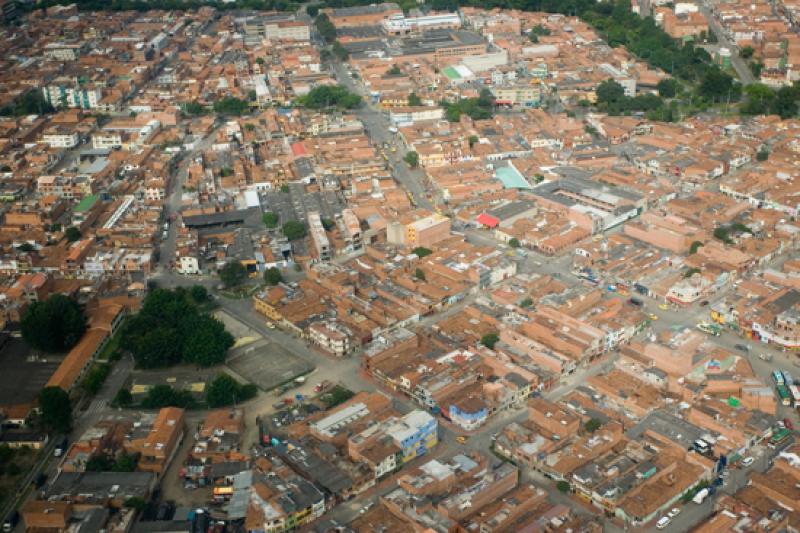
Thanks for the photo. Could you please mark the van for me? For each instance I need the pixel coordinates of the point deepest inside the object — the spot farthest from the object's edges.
(663, 522)
(11, 521)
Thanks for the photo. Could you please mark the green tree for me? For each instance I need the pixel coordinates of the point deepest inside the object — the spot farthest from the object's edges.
(327, 223)
(722, 234)
(718, 86)
(339, 51)
(230, 105)
(199, 294)
(56, 409)
(336, 396)
(272, 276)
(694, 247)
(233, 274)
(294, 230)
(326, 96)
(414, 100)
(762, 155)
(194, 109)
(284, 189)
(609, 91)
(125, 463)
(224, 390)
(489, 340)
(514, 242)
(668, 87)
(53, 325)
(691, 272)
(394, 71)
(412, 159)
(540, 30)
(94, 379)
(472, 140)
(746, 52)
(99, 463)
(563, 487)
(160, 396)
(135, 502)
(592, 425)
(325, 27)
(312, 10)
(527, 302)
(419, 274)
(270, 220)
(421, 251)
(260, 60)
(72, 234)
(123, 398)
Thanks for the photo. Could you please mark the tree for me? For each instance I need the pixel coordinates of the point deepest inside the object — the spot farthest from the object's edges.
(412, 159)
(691, 272)
(94, 379)
(533, 38)
(592, 425)
(394, 71)
(272, 276)
(339, 51)
(609, 91)
(233, 274)
(56, 409)
(694, 247)
(722, 234)
(472, 140)
(199, 294)
(72, 234)
(336, 396)
(312, 10)
(230, 106)
(419, 274)
(294, 230)
(54, 325)
(326, 96)
(325, 27)
(327, 223)
(563, 487)
(99, 463)
(29, 103)
(514, 242)
(421, 251)
(194, 108)
(270, 220)
(527, 302)
(160, 396)
(123, 398)
(668, 87)
(135, 502)
(225, 172)
(746, 52)
(540, 30)
(489, 340)
(224, 390)
(125, 463)
(260, 60)
(284, 189)
(718, 86)
(762, 155)
(414, 100)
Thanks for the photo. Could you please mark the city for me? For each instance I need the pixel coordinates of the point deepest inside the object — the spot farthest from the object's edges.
(399, 267)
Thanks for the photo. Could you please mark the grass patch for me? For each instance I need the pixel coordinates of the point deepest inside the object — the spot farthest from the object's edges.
(336, 396)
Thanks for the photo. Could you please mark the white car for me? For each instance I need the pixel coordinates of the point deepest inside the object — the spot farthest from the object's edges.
(663, 522)
(747, 461)
(674, 512)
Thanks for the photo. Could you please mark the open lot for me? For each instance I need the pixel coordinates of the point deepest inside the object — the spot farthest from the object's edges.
(23, 375)
(267, 364)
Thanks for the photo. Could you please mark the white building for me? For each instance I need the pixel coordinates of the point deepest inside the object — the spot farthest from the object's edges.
(57, 138)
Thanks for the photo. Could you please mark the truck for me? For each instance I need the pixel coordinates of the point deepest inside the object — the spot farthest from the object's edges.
(701, 495)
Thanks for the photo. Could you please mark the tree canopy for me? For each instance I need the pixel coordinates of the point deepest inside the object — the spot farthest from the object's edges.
(54, 325)
(233, 274)
(270, 220)
(325, 96)
(489, 340)
(224, 390)
(272, 276)
(56, 409)
(294, 230)
(170, 329)
(230, 106)
(479, 108)
(29, 103)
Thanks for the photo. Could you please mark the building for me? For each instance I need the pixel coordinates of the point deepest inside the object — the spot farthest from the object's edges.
(425, 231)
(58, 137)
(331, 337)
(62, 95)
(319, 236)
(352, 230)
(277, 27)
(62, 51)
(157, 445)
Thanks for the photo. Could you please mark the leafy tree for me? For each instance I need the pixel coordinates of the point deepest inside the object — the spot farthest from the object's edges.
(194, 108)
(230, 105)
(326, 96)
(785, 102)
(135, 502)
(472, 140)
(312, 10)
(540, 30)
(99, 463)
(533, 38)
(609, 91)
(199, 294)
(527, 302)
(691, 272)
(414, 100)
(26, 247)
(260, 60)
(746, 52)
(718, 86)
(759, 99)
(72, 234)
(225, 172)
(394, 71)
(272, 276)
(160, 396)
(421, 251)
(479, 108)
(339, 51)
(284, 189)
(563, 487)
(125, 463)
(762, 155)
(224, 390)
(54, 325)
(489, 340)
(29, 103)
(419, 274)
(251, 97)
(756, 68)
(592, 425)
(412, 159)
(722, 234)
(270, 220)
(668, 87)
(325, 27)
(233, 274)
(56, 409)
(336, 396)
(694, 247)
(94, 379)
(250, 126)
(294, 230)
(514, 242)
(123, 398)
(327, 223)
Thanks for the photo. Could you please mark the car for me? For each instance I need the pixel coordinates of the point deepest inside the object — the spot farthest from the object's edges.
(747, 461)
(788, 424)
(765, 356)
(11, 521)
(461, 439)
(742, 347)
(674, 512)
(653, 317)
(635, 301)
(663, 307)
(780, 424)
(663, 522)
(704, 303)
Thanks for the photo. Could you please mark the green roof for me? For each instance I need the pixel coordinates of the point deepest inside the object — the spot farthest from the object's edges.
(85, 204)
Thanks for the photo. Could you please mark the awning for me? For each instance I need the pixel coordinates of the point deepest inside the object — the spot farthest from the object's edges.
(487, 220)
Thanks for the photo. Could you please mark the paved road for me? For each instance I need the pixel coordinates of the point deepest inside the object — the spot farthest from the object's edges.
(377, 128)
(739, 65)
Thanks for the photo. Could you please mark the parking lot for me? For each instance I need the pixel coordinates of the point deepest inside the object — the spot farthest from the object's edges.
(267, 364)
(22, 373)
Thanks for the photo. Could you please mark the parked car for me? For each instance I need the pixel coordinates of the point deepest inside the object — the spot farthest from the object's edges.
(663, 522)
(674, 512)
(788, 424)
(747, 461)
(635, 301)
(11, 521)
(765, 356)
(704, 303)
(742, 347)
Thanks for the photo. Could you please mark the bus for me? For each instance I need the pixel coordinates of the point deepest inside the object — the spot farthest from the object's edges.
(779, 437)
(783, 395)
(794, 391)
(777, 376)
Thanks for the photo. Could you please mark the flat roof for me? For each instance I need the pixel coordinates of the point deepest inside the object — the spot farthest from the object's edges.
(511, 178)
(85, 204)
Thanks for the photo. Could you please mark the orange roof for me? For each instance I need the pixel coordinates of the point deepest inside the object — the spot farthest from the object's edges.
(70, 368)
